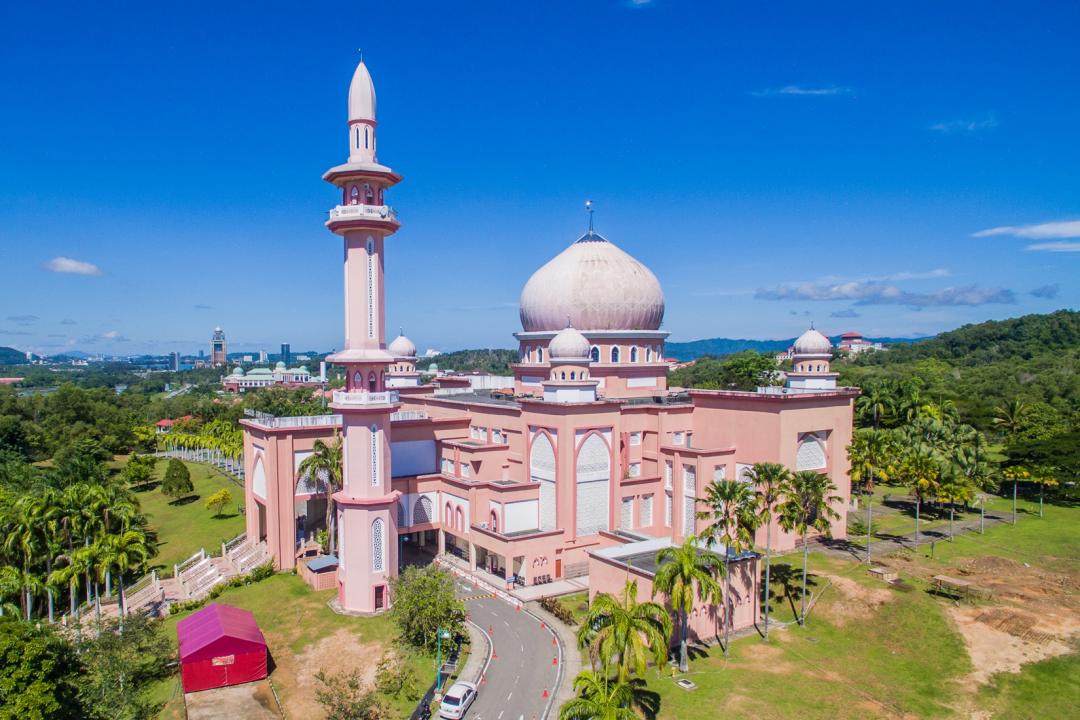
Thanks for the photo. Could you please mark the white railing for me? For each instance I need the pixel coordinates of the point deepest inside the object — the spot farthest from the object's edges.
(228, 547)
(143, 593)
(777, 390)
(388, 397)
(297, 421)
(408, 415)
(345, 212)
(253, 559)
(186, 565)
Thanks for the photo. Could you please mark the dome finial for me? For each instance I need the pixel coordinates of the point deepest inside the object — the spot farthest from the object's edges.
(589, 209)
(811, 324)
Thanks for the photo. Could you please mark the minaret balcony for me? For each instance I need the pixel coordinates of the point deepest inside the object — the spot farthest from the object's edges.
(388, 397)
(362, 215)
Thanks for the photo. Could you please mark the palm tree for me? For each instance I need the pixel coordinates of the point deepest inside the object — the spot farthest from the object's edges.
(627, 630)
(1043, 476)
(684, 573)
(1012, 417)
(808, 505)
(871, 456)
(920, 471)
(876, 401)
(24, 542)
(955, 487)
(325, 464)
(770, 479)
(732, 510)
(124, 552)
(599, 698)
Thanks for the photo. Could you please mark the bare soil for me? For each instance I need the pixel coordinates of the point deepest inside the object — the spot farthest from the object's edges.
(253, 701)
(337, 653)
(852, 601)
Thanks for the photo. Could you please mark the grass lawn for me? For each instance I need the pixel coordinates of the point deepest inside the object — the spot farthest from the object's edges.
(577, 604)
(186, 526)
(305, 636)
(873, 650)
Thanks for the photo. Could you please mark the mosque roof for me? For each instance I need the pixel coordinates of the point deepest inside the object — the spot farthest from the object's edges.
(361, 94)
(569, 344)
(812, 342)
(597, 286)
(402, 347)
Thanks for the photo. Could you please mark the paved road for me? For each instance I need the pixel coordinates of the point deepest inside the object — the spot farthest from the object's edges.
(521, 668)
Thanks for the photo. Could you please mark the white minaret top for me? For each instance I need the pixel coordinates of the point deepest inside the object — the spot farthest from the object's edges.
(361, 116)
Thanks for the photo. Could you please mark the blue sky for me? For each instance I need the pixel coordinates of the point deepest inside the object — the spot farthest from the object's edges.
(895, 168)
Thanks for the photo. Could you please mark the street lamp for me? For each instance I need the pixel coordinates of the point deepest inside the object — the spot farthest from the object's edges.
(440, 635)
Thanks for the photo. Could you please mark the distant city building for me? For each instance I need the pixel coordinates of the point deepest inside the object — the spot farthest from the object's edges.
(239, 380)
(248, 358)
(174, 361)
(854, 343)
(286, 353)
(218, 348)
(262, 356)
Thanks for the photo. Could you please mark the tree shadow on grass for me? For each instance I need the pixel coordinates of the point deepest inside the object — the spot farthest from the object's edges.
(648, 701)
(186, 500)
(146, 487)
(224, 516)
(788, 579)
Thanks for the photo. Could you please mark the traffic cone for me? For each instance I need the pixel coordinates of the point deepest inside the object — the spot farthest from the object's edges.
(542, 625)
(494, 655)
(483, 679)
(545, 693)
(554, 661)
(517, 608)
(554, 641)
(491, 630)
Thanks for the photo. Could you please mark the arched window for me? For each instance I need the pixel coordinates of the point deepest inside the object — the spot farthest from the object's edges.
(572, 375)
(648, 355)
(633, 354)
(377, 532)
(367, 192)
(811, 454)
(562, 375)
(354, 194)
(592, 476)
(401, 514)
(494, 521)
(460, 519)
(614, 353)
(448, 516)
(371, 381)
(595, 353)
(365, 137)
(358, 137)
(539, 354)
(542, 471)
(357, 380)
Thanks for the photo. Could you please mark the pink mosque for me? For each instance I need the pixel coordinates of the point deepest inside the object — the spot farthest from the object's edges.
(581, 471)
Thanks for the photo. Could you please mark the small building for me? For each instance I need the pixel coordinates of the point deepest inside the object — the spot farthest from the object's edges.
(854, 343)
(220, 645)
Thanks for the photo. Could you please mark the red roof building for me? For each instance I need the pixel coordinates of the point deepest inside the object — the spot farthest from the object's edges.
(220, 645)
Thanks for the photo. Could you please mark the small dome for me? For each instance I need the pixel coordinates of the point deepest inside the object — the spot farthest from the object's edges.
(303, 369)
(402, 347)
(238, 371)
(569, 344)
(280, 365)
(812, 342)
(597, 286)
(361, 94)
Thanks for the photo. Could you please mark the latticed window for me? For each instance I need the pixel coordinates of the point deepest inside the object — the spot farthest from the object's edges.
(371, 287)
(689, 498)
(811, 454)
(377, 531)
(634, 470)
(593, 477)
(374, 455)
(542, 470)
(626, 514)
(422, 510)
(719, 473)
(646, 510)
(667, 510)
(635, 438)
(668, 469)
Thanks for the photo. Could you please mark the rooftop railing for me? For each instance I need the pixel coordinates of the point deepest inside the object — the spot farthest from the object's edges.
(347, 212)
(387, 397)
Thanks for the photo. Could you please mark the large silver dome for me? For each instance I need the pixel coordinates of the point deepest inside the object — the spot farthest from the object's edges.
(595, 286)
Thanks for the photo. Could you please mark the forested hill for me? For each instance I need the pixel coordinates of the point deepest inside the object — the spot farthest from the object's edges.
(496, 362)
(718, 347)
(1019, 338)
(11, 356)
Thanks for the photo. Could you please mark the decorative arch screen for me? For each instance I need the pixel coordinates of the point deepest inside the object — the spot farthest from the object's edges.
(626, 514)
(646, 510)
(402, 518)
(374, 455)
(377, 543)
(258, 479)
(811, 454)
(422, 511)
(593, 477)
(371, 288)
(542, 470)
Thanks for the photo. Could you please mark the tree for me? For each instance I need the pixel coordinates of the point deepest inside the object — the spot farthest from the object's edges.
(600, 698)
(424, 602)
(1044, 477)
(871, 456)
(808, 505)
(139, 470)
(1012, 417)
(626, 631)
(732, 512)
(344, 696)
(770, 480)
(955, 487)
(920, 471)
(683, 574)
(177, 482)
(39, 674)
(218, 501)
(875, 402)
(324, 465)
(124, 552)
(116, 684)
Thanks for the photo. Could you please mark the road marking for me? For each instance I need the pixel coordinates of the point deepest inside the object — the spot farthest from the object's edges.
(509, 696)
(500, 715)
(506, 624)
(523, 648)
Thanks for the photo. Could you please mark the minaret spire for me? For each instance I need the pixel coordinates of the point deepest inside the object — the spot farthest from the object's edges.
(589, 209)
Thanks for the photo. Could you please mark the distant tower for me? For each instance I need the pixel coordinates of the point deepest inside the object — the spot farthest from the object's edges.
(286, 354)
(367, 516)
(219, 349)
(811, 357)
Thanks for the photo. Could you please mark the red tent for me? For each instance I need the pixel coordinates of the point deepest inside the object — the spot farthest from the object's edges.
(220, 645)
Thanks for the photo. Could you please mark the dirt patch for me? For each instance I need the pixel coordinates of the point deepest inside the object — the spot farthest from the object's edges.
(337, 653)
(253, 700)
(852, 600)
(767, 658)
(1002, 639)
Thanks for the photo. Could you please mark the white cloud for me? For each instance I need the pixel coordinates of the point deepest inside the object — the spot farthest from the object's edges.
(928, 275)
(804, 90)
(639, 3)
(1040, 231)
(67, 265)
(1055, 247)
(966, 125)
(878, 293)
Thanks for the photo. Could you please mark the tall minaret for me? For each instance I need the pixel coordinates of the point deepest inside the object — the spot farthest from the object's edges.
(366, 517)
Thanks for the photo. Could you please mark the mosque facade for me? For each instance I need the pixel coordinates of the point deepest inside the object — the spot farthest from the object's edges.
(581, 471)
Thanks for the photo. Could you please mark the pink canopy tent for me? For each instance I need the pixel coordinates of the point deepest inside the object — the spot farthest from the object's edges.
(220, 645)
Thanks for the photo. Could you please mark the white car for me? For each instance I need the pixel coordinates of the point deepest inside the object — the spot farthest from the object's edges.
(457, 700)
